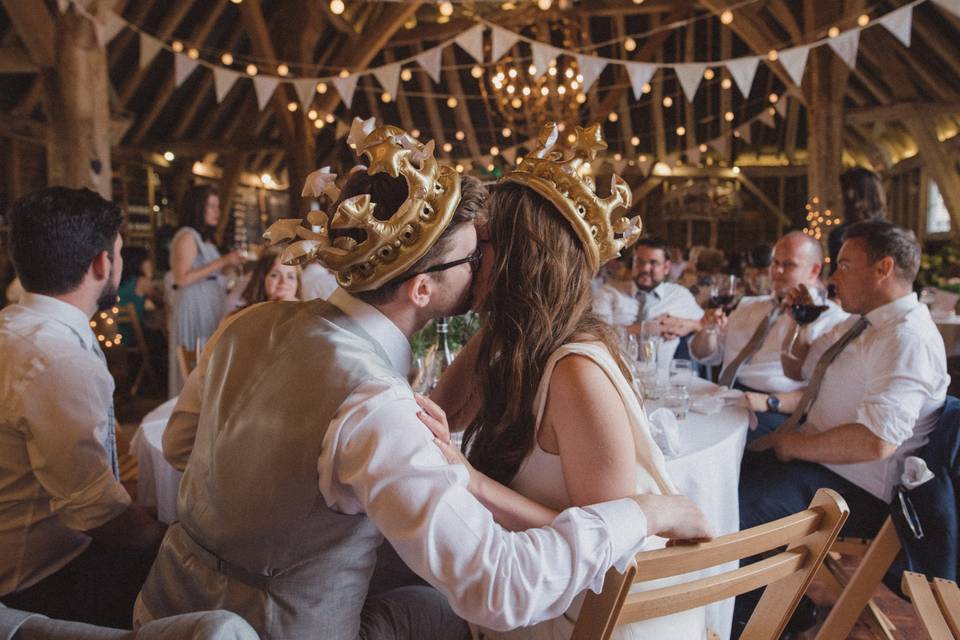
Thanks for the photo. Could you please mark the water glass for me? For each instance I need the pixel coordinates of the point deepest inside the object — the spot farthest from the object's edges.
(677, 399)
(681, 371)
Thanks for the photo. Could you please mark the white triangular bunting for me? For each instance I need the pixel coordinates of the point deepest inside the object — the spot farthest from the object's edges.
(689, 75)
(223, 81)
(149, 48)
(746, 132)
(502, 41)
(389, 77)
(794, 61)
(900, 23)
(430, 61)
(693, 155)
(722, 146)
(183, 66)
(342, 129)
(510, 155)
(542, 55)
(345, 87)
(845, 45)
(109, 28)
(640, 74)
(767, 118)
(743, 70)
(781, 107)
(590, 68)
(306, 89)
(471, 41)
(953, 6)
(644, 165)
(619, 165)
(264, 87)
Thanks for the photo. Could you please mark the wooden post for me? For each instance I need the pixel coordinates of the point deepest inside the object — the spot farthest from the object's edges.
(77, 107)
(824, 88)
(941, 167)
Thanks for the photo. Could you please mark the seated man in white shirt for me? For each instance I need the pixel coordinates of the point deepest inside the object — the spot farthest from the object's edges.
(748, 341)
(879, 392)
(648, 303)
(307, 449)
(72, 546)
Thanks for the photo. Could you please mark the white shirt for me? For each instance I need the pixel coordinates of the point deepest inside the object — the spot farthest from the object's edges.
(617, 304)
(892, 379)
(378, 458)
(316, 282)
(763, 371)
(56, 476)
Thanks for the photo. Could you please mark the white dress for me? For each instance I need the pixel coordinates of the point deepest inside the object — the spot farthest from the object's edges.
(541, 478)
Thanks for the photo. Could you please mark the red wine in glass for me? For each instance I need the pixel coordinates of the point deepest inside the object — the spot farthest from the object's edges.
(807, 313)
(723, 301)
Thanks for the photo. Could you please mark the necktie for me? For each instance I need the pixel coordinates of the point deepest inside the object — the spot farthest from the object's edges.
(729, 373)
(813, 387)
(645, 301)
(111, 442)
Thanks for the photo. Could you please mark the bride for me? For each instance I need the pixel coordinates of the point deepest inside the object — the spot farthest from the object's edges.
(551, 411)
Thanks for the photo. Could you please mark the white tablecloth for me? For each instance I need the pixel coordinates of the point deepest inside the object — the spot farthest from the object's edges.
(950, 330)
(158, 482)
(707, 471)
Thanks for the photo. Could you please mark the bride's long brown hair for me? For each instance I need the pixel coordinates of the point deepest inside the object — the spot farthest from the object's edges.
(539, 298)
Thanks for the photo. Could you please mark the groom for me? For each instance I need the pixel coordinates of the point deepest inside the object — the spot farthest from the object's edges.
(308, 447)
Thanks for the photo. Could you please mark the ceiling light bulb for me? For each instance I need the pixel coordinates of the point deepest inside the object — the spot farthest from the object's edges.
(329, 118)
(726, 83)
(447, 147)
(168, 156)
(459, 135)
(772, 55)
(506, 132)
(726, 17)
(385, 97)
(251, 69)
(516, 103)
(863, 20)
(612, 116)
(833, 32)
(321, 87)
(668, 102)
(415, 133)
(773, 98)
(476, 71)
(630, 44)
(452, 102)
(227, 59)
(681, 130)
(177, 46)
(283, 69)
(193, 53)
(312, 114)
(446, 9)
(646, 88)
(544, 4)
(406, 75)
(634, 140)
(728, 116)
(337, 7)
(344, 73)
(708, 74)
(292, 106)
(494, 150)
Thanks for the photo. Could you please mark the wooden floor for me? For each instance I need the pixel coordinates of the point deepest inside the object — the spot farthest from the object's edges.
(899, 611)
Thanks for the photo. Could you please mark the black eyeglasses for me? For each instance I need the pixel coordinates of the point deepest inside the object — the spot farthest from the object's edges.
(473, 260)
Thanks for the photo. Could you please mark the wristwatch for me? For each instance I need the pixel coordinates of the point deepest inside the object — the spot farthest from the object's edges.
(773, 403)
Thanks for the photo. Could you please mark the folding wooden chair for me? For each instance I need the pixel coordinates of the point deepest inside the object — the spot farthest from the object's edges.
(128, 316)
(856, 593)
(807, 537)
(938, 608)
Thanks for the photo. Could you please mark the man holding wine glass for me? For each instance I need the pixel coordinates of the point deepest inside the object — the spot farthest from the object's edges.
(747, 339)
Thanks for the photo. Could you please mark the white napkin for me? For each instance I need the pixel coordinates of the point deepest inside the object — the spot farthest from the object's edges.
(714, 400)
(915, 473)
(665, 431)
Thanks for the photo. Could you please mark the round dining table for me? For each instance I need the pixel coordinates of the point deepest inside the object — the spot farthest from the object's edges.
(706, 469)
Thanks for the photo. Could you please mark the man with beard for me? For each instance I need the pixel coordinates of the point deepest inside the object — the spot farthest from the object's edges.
(307, 450)
(72, 546)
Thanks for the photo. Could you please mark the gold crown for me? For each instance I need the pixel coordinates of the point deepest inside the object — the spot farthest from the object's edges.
(372, 252)
(561, 179)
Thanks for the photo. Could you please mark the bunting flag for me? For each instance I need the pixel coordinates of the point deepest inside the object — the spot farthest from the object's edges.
(767, 118)
(590, 69)
(722, 146)
(542, 55)
(953, 6)
(63, 5)
(743, 71)
(389, 78)
(619, 165)
(510, 155)
(109, 29)
(264, 87)
(223, 81)
(900, 23)
(690, 74)
(746, 132)
(502, 40)
(640, 74)
(471, 41)
(149, 48)
(845, 45)
(345, 87)
(644, 163)
(183, 66)
(781, 107)
(795, 62)
(693, 155)
(305, 89)
(430, 61)
(671, 159)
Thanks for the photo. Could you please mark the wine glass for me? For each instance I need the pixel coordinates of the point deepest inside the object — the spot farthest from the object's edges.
(681, 372)
(804, 313)
(723, 293)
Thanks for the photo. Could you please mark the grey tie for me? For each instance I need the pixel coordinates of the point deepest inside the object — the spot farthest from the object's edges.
(111, 444)
(645, 299)
(813, 386)
(729, 373)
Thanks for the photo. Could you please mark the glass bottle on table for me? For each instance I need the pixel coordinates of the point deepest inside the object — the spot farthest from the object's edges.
(443, 357)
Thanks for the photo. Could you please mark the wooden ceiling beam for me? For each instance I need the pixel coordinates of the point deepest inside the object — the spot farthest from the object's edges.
(942, 167)
(251, 12)
(171, 20)
(34, 24)
(901, 111)
(141, 9)
(934, 38)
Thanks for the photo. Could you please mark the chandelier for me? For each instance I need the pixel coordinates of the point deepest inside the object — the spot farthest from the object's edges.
(526, 97)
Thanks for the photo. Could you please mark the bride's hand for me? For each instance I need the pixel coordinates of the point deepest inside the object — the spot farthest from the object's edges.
(433, 416)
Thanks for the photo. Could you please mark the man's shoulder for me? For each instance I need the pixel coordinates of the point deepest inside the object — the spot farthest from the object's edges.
(674, 289)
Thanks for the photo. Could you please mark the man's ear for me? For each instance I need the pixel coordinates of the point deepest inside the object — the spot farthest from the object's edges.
(418, 290)
(100, 266)
(885, 267)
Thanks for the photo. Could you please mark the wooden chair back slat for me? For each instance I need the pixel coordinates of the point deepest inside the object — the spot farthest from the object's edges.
(948, 595)
(925, 603)
(807, 536)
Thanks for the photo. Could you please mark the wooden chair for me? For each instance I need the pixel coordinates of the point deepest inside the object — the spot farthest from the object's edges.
(938, 608)
(807, 537)
(186, 361)
(856, 593)
(128, 316)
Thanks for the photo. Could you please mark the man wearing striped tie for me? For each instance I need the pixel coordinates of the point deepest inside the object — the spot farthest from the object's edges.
(747, 342)
(876, 385)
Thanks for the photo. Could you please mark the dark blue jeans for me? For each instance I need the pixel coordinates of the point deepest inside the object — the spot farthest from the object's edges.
(770, 489)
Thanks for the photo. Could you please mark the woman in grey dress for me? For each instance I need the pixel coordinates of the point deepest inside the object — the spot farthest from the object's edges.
(197, 268)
